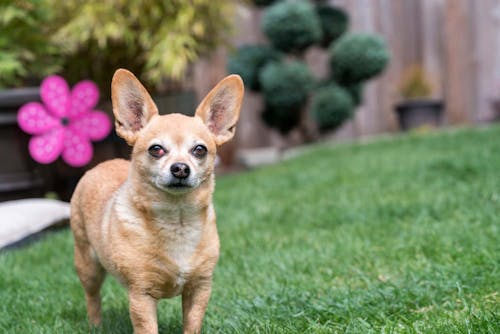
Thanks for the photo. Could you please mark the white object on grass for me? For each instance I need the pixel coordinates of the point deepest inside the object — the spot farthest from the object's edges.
(22, 218)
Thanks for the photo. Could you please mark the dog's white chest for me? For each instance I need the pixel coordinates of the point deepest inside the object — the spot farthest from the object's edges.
(181, 243)
(181, 239)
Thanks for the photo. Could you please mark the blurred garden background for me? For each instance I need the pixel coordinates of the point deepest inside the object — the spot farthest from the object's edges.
(360, 193)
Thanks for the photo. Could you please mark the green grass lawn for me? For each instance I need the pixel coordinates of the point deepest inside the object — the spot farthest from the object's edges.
(395, 236)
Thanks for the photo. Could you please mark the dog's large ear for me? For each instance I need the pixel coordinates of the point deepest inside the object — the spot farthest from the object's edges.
(220, 109)
(133, 107)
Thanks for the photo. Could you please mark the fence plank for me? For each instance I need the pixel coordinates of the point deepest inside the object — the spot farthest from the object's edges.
(459, 78)
(432, 24)
(486, 17)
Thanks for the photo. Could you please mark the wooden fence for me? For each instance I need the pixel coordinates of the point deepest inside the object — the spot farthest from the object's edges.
(456, 41)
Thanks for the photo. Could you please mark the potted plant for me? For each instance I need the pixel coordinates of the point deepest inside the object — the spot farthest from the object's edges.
(418, 109)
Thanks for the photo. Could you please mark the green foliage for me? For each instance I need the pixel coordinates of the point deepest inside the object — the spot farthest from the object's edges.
(334, 22)
(26, 52)
(356, 92)
(90, 39)
(285, 86)
(291, 26)
(157, 39)
(415, 84)
(282, 119)
(248, 60)
(331, 106)
(358, 57)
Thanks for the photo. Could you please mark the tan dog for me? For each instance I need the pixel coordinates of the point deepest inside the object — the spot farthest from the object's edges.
(150, 222)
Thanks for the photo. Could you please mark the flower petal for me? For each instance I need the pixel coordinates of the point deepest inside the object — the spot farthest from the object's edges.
(84, 98)
(95, 125)
(46, 148)
(77, 148)
(55, 94)
(34, 119)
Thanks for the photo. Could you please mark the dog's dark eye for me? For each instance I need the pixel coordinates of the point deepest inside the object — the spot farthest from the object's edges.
(156, 151)
(199, 151)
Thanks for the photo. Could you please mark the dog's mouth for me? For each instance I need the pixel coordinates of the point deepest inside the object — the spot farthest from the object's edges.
(174, 185)
(178, 185)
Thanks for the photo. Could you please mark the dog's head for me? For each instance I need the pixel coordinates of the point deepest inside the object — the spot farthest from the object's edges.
(175, 153)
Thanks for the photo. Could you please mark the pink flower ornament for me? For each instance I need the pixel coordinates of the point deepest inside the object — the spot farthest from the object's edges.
(66, 123)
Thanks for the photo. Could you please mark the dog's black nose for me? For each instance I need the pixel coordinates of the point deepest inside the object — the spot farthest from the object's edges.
(180, 170)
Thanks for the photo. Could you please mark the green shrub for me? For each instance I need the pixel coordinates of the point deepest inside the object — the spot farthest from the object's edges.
(282, 119)
(90, 39)
(291, 26)
(356, 92)
(248, 60)
(26, 51)
(155, 39)
(285, 86)
(334, 22)
(357, 57)
(331, 106)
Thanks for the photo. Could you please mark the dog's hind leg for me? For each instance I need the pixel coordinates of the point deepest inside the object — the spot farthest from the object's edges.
(91, 275)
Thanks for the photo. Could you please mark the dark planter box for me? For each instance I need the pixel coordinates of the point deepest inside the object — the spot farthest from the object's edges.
(419, 113)
(22, 177)
(19, 175)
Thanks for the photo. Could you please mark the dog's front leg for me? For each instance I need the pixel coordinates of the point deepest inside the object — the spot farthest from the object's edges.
(143, 313)
(194, 303)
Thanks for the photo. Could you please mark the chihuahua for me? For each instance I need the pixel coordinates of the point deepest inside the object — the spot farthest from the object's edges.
(150, 222)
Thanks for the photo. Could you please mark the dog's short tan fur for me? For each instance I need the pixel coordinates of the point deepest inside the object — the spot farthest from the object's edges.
(158, 241)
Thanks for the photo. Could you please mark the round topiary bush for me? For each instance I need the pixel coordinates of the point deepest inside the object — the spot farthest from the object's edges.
(248, 60)
(356, 92)
(334, 22)
(285, 86)
(291, 26)
(331, 106)
(282, 119)
(357, 57)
